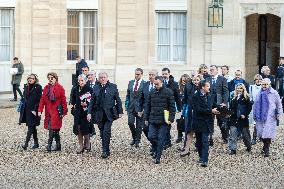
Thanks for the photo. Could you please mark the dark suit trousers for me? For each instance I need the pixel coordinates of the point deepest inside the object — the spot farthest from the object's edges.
(105, 132)
(135, 128)
(168, 136)
(202, 145)
(16, 88)
(157, 137)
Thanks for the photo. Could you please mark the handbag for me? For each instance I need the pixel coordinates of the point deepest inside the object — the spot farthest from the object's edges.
(20, 106)
(60, 110)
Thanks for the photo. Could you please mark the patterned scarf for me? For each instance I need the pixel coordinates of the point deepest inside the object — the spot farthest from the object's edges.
(50, 93)
(261, 106)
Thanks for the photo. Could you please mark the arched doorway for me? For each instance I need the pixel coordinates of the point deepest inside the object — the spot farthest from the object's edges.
(262, 43)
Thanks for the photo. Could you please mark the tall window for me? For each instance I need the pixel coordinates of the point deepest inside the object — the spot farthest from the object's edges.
(6, 34)
(171, 39)
(82, 34)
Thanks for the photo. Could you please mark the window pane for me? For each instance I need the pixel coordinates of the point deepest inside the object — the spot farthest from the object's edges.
(164, 38)
(179, 36)
(5, 36)
(89, 36)
(6, 18)
(5, 53)
(72, 52)
(73, 19)
(163, 53)
(89, 52)
(73, 35)
(89, 19)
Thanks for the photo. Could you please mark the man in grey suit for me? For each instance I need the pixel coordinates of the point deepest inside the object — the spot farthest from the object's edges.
(133, 107)
(220, 94)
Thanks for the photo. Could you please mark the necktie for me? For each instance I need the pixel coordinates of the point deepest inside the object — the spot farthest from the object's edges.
(136, 86)
(151, 87)
(213, 81)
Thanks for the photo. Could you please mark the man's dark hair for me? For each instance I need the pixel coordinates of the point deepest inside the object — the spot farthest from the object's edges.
(139, 70)
(214, 66)
(15, 58)
(78, 56)
(202, 83)
(86, 67)
(166, 69)
(239, 71)
(225, 66)
(159, 78)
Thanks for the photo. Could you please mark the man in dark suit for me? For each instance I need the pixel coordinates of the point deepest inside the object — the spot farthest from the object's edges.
(134, 110)
(148, 87)
(92, 80)
(105, 105)
(220, 94)
(203, 110)
(160, 99)
(81, 63)
(169, 82)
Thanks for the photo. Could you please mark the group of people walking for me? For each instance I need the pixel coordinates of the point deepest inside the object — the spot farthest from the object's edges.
(153, 106)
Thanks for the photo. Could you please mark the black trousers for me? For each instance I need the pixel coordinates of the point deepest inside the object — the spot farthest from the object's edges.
(135, 124)
(16, 88)
(105, 132)
(54, 133)
(32, 131)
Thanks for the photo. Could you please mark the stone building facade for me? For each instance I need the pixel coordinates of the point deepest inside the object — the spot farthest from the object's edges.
(119, 35)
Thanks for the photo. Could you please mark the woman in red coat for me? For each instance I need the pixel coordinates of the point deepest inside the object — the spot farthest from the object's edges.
(54, 101)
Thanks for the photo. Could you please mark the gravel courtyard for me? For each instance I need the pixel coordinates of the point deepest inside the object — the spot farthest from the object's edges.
(127, 166)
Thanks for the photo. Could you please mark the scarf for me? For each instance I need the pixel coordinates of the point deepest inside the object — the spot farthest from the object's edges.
(50, 93)
(261, 106)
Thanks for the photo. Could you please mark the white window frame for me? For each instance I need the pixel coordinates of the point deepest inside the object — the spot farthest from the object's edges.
(12, 34)
(81, 35)
(171, 61)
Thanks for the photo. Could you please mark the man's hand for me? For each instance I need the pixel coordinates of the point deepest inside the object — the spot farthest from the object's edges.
(146, 123)
(89, 117)
(243, 117)
(140, 114)
(215, 111)
(33, 112)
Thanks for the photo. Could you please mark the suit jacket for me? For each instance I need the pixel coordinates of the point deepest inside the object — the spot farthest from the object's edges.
(89, 84)
(133, 98)
(219, 90)
(100, 107)
(202, 112)
(173, 85)
(145, 94)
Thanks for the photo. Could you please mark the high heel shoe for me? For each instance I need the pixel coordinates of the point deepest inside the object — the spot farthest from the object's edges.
(89, 149)
(80, 152)
(183, 155)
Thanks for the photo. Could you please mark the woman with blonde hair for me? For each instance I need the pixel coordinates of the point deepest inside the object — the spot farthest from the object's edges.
(240, 107)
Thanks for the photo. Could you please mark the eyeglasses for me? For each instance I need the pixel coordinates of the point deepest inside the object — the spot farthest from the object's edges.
(264, 84)
(50, 78)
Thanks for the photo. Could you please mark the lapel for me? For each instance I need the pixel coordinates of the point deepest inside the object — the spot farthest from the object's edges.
(131, 85)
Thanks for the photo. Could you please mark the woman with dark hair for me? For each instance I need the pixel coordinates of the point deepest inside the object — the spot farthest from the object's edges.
(190, 90)
(80, 100)
(29, 113)
(180, 122)
(54, 101)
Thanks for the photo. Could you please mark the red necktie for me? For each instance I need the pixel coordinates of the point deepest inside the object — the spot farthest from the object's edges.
(136, 87)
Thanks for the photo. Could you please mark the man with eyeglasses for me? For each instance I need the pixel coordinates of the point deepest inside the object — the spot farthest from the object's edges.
(133, 97)
(92, 80)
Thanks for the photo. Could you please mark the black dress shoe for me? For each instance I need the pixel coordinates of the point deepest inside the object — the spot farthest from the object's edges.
(35, 146)
(178, 140)
(13, 100)
(105, 155)
(157, 161)
(25, 146)
(183, 155)
(211, 142)
(204, 164)
(132, 143)
(248, 149)
(233, 152)
(137, 144)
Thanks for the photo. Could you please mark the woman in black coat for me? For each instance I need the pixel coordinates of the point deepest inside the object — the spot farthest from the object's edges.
(29, 113)
(240, 107)
(81, 97)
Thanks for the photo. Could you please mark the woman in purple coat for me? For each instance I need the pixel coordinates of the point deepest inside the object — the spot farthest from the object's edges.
(266, 112)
